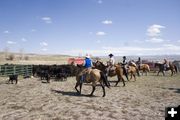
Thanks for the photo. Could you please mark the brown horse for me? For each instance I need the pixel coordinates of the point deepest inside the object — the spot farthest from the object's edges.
(144, 68)
(117, 72)
(92, 76)
(132, 71)
(162, 68)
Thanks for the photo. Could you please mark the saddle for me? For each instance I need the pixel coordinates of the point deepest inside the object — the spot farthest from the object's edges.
(85, 75)
(113, 68)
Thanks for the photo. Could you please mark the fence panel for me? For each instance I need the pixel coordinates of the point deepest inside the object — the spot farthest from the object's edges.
(24, 70)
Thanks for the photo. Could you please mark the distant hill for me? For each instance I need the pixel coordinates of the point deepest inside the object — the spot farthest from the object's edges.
(62, 59)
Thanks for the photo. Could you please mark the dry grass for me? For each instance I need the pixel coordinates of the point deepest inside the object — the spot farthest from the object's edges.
(146, 99)
(36, 59)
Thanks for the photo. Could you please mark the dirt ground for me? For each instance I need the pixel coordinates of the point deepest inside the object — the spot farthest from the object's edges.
(144, 99)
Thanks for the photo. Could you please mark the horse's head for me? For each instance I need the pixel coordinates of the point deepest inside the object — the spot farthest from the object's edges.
(156, 64)
(99, 64)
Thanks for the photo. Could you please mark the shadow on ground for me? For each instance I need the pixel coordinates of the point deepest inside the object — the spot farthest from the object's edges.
(70, 93)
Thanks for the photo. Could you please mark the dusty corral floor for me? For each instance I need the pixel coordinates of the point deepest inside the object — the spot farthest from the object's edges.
(144, 99)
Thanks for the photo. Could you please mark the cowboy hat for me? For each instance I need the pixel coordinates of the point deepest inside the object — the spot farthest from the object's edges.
(87, 56)
(111, 54)
(124, 57)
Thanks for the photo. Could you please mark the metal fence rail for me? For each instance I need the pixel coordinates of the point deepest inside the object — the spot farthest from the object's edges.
(24, 70)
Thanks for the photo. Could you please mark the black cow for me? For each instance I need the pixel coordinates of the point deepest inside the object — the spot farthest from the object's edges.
(13, 78)
(61, 76)
(45, 75)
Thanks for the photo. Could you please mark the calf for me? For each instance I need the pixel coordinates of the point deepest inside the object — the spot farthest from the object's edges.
(13, 78)
(61, 76)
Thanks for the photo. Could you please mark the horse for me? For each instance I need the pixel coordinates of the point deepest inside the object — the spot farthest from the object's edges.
(144, 68)
(117, 72)
(162, 68)
(92, 76)
(133, 69)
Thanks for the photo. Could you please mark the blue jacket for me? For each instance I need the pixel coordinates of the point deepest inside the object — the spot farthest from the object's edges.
(88, 63)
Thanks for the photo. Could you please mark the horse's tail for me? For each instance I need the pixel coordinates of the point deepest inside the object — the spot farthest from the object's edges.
(137, 71)
(176, 69)
(104, 78)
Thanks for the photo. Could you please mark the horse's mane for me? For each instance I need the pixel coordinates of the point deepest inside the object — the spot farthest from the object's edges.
(101, 63)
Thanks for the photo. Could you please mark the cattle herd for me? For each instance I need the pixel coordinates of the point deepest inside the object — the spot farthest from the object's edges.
(58, 72)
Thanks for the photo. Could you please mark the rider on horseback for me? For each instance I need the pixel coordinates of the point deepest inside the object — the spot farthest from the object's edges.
(124, 66)
(111, 63)
(166, 64)
(88, 66)
(139, 62)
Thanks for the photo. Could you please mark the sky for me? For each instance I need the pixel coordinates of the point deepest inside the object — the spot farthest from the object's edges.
(96, 27)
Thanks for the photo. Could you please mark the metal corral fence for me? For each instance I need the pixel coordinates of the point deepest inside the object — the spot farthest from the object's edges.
(12, 69)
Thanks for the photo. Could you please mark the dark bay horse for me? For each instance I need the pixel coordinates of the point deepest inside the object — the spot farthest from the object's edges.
(162, 68)
(92, 76)
(117, 72)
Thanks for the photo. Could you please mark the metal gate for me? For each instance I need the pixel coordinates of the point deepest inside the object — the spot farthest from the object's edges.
(12, 69)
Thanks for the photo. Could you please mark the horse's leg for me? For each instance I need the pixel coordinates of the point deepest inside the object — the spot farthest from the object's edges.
(104, 92)
(172, 72)
(163, 73)
(158, 73)
(120, 78)
(138, 72)
(77, 84)
(134, 77)
(131, 75)
(126, 74)
(125, 71)
(123, 81)
(93, 89)
(117, 81)
(80, 87)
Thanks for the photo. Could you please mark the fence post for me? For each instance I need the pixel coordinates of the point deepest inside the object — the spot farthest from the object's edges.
(0, 70)
(5, 68)
(14, 69)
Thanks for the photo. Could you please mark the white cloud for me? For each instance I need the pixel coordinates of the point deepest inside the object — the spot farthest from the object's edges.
(47, 19)
(98, 41)
(100, 1)
(90, 33)
(100, 33)
(11, 42)
(130, 50)
(155, 40)
(6, 32)
(154, 30)
(171, 47)
(107, 22)
(33, 30)
(23, 39)
(44, 44)
(44, 49)
(138, 41)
